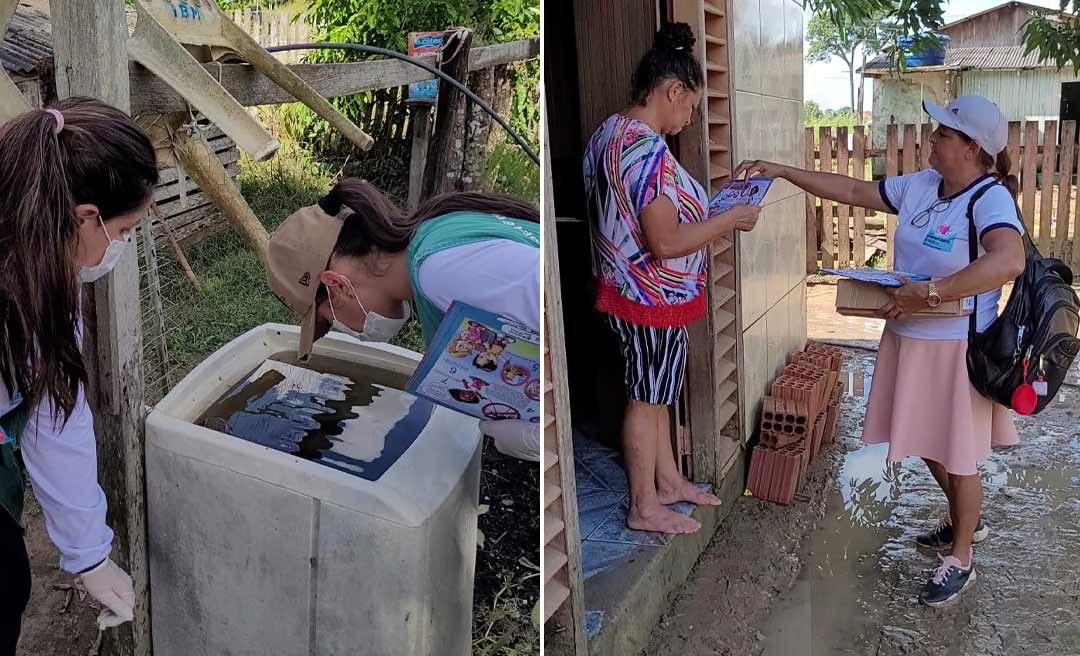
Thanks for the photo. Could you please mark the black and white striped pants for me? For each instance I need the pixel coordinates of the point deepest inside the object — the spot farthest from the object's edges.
(655, 361)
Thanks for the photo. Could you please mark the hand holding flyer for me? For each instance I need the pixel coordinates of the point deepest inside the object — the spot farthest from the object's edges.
(482, 365)
(750, 191)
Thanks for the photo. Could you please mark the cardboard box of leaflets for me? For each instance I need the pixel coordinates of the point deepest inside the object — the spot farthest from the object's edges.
(864, 299)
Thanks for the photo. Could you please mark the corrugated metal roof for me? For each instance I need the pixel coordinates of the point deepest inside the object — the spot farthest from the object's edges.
(985, 58)
(28, 40)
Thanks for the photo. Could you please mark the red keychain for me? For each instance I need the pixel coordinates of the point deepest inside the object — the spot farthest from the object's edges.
(1024, 398)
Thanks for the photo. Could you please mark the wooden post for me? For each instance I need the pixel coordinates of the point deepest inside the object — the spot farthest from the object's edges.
(828, 250)
(858, 253)
(892, 169)
(421, 140)
(1068, 157)
(1027, 177)
(1049, 163)
(90, 51)
(207, 171)
(455, 63)
(843, 229)
(567, 585)
(811, 210)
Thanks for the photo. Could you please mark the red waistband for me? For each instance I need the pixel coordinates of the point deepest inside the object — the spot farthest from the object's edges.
(610, 301)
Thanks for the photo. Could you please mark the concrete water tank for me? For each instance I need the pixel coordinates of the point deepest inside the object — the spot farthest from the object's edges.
(369, 550)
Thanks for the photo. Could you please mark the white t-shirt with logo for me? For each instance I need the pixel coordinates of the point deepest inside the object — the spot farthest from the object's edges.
(936, 244)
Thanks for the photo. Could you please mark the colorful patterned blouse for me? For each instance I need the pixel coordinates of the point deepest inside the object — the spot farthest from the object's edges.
(628, 166)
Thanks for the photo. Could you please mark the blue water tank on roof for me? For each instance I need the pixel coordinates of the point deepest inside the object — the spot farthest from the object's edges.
(935, 56)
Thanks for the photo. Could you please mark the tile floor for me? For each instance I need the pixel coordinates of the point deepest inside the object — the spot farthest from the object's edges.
(603, 502)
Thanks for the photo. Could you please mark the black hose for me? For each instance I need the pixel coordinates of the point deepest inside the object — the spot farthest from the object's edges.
(427, 67)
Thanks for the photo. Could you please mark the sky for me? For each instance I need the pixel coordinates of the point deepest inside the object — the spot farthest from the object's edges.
(830, 79)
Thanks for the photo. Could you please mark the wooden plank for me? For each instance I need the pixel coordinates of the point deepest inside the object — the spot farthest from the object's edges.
(553, 526)
(90, 55)
(555, 594)
(1068, 158)
(812, 242)
(924, 146)
(892, 169)
(555, 373)
(843, 222)
(1049, 165)
(828, 251)
(910, 146)
(151, 95)
(1028, 173)
(553, 563)
(1013, 148)
(858, 166)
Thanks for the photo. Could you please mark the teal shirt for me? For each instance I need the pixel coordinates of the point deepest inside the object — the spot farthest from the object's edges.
(453, 230)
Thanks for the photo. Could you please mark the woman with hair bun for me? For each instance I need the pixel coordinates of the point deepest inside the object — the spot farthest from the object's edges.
(650, 227)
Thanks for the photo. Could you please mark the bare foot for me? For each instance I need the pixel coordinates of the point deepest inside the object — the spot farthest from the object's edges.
(661, 520)
(684, 490)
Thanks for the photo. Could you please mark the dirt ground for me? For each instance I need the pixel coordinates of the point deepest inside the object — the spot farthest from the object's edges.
(838, 573)
(60, 623)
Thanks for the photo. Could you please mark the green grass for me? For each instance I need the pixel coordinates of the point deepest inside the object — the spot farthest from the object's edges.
(511, 171)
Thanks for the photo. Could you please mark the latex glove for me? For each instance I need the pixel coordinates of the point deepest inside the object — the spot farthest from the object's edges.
(513, 437)
(112, 587)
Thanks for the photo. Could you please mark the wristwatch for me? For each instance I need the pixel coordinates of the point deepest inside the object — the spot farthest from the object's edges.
(933, 299)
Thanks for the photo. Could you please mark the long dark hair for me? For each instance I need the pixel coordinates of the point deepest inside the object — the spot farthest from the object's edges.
(377, 225)
(100, 157)
(671, 58)
(997, 166)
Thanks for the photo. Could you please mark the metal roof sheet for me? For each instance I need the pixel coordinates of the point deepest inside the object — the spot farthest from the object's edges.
(28, 40)
(982, 58)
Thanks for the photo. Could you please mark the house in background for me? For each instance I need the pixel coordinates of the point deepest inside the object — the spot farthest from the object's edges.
(984, 56)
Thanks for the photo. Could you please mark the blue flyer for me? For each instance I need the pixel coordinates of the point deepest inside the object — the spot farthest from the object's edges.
(750, 191)
(482, 365)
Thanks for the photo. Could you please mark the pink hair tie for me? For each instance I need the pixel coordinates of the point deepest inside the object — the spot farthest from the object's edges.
(59, 120)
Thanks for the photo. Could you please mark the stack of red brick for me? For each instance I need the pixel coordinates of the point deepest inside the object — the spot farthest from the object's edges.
(797, 420)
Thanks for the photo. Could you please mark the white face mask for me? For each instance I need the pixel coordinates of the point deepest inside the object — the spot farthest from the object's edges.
(113, 253)
(377, 328)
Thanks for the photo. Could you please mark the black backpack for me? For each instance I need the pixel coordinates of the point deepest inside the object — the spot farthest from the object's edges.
(1039, 324)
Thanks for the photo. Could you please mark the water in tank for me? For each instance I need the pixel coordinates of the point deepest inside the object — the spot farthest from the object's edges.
(351, 417)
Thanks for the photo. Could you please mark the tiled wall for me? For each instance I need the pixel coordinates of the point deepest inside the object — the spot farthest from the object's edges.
(767, 70)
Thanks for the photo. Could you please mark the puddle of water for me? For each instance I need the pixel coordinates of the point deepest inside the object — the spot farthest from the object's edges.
(861, 573)
(341, 415)
(831, 603)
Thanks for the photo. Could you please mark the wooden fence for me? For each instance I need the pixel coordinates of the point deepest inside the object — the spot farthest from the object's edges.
(275, 28)
(1043, 159)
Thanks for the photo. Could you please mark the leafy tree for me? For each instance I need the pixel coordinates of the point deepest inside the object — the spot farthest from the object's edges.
(829, 39)
(1056, 36)
(1053, 35)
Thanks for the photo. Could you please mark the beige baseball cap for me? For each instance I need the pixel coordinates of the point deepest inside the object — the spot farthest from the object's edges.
(299, 251)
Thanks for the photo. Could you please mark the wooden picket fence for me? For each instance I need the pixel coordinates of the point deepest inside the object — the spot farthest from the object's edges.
(842, 235)
(275, 28)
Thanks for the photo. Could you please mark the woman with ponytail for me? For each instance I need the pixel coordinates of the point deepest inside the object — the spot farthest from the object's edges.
(650, 226)
(358, 263)
(922, 402)
(75, 180)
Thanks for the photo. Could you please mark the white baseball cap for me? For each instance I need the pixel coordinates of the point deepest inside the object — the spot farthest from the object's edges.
(976, 117)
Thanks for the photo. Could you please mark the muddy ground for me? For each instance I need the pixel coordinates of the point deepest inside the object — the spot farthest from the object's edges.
(60, 623)
(838, 573)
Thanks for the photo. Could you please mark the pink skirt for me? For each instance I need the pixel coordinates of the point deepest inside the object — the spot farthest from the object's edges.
(923, 404)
